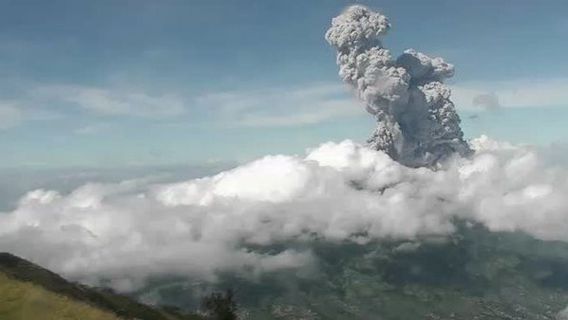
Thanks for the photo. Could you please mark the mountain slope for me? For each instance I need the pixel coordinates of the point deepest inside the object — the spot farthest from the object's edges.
(24, 300)
(28, 291)
(473, 274)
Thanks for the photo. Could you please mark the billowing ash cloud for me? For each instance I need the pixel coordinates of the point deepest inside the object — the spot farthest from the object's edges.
(129, 231)
(417, 124)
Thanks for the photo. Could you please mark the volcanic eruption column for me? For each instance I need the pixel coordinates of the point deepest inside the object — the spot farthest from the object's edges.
(417, 124)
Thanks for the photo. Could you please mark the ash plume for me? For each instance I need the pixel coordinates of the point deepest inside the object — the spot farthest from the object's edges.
(417, 124)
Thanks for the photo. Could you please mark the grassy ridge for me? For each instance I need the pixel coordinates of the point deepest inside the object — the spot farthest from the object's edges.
(28, 291)
(22, 300)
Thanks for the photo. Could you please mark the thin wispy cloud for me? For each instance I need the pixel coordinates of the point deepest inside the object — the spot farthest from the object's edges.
(10, 115)
(486, 101)
(269, 106)
(50, 102)
(92, 129)
(262, 107)
(281, 106)
(103, 101)
(518, 93)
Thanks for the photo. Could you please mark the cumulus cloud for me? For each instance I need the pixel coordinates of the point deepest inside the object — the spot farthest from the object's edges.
(563, 314)
(337, 192)
(417, 124)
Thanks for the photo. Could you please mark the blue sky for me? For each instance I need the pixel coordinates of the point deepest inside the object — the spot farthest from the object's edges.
(121, 83)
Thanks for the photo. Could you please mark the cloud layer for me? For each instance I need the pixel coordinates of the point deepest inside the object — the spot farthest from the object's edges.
(126, 232)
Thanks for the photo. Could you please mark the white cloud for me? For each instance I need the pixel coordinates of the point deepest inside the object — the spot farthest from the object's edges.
(281, 106)
(563, 314)
(49, 102)
(486, 101)
(93, 128)
(10, 115)
(514, 93)
(337, 192)
(105, 101)
(267, 107)
(15, 112)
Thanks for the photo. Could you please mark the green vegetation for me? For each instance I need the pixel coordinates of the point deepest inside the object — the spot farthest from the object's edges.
(29, 292)
(220, 306)
(22, 300)
(474, 274)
